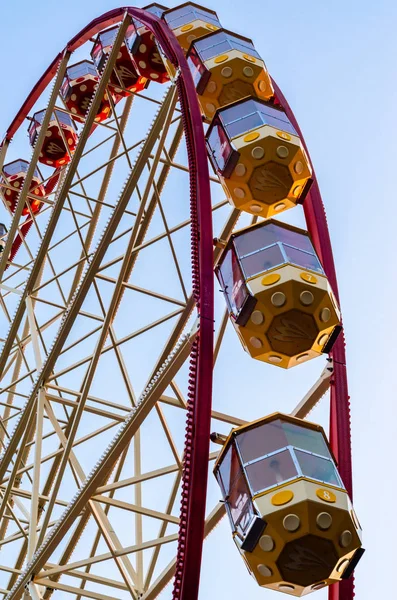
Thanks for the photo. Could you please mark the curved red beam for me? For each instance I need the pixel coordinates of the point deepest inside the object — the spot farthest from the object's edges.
(340, 433)
(190, 545)
(190, 555)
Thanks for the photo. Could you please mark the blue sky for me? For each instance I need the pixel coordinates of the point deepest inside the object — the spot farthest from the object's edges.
(335, 62)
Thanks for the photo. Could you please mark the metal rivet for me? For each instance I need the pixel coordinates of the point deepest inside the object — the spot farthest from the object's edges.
(346, 538)
(297, 190)
(324, 521)
(262, 85)
(306, 298)
(282, 151)
(278, 299)
(284, 587)
(318, 586)
(257, 152)
(266, 543)
(291, 522)
(265, 571)
(325, 315)
(240, 170)
(248, 71)
(298, 168)
(257, 317)
(239, 192)
(275, 359)
(342, 565)
(211, 87)
(227, 72)
(256, 342)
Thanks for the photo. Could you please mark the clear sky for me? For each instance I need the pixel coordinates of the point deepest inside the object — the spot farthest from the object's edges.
(335, 62)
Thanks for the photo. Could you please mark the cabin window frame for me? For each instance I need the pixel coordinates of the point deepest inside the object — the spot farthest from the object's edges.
(287, 259)
(291, 449)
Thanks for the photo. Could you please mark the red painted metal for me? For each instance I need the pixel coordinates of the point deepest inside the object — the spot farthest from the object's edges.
(195, 474)
(198, 422)
(24, 230)
(340, 434)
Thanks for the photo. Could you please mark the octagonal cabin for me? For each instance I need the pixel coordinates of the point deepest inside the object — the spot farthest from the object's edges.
(11, 183)
(3, 236)
(190, 21)
(259, 157)
(78, 89)
(60, 140)
(279, 299)
(146, 54)
(291, 517)
(226, 68)
(124, 78)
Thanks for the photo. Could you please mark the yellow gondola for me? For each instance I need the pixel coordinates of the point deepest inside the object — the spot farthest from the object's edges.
(291, 517)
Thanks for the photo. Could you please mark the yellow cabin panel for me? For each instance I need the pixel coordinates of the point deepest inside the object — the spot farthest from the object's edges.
(262, 167)
(292, 520)
(191, 21)
(292, 319)
(231, 77)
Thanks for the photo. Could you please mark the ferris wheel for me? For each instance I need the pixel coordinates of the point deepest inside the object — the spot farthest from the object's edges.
(160, 154)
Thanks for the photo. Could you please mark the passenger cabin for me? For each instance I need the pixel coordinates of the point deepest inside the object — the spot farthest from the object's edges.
(291, 517)
(11, 183)
(144, 50)
(78, 89)
(60, 140)
(226, 68)
(279, 299)
(3, 237)
(124, 78)
(190, 21)
(259, 157)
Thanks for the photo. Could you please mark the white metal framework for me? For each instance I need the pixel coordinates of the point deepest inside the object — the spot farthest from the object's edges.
(97, 322)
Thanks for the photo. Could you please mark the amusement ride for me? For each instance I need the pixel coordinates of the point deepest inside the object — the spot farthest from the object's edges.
(159, 155)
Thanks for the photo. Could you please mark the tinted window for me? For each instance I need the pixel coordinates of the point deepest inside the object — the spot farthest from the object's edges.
(107, 37)
(81, 69)
(39, 116)
(262, 261)
(63, 118)
(303, 259)
(233, 282)
(219, 146)
(306, 439)
(240, 505)
(221, 42)
(244, 124)
(261, 440)
(239, 119)
(280, 245)
(271, 471)
(17, 166)
(255, 239)
(318, 468)
(156, 10)
(196, 67)
(187, 14)
(228, 469)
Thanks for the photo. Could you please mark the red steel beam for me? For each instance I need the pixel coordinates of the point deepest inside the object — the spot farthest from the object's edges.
(190, 545)
(340, 433)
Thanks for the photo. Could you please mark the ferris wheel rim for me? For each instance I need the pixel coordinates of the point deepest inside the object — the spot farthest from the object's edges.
(314, 212)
